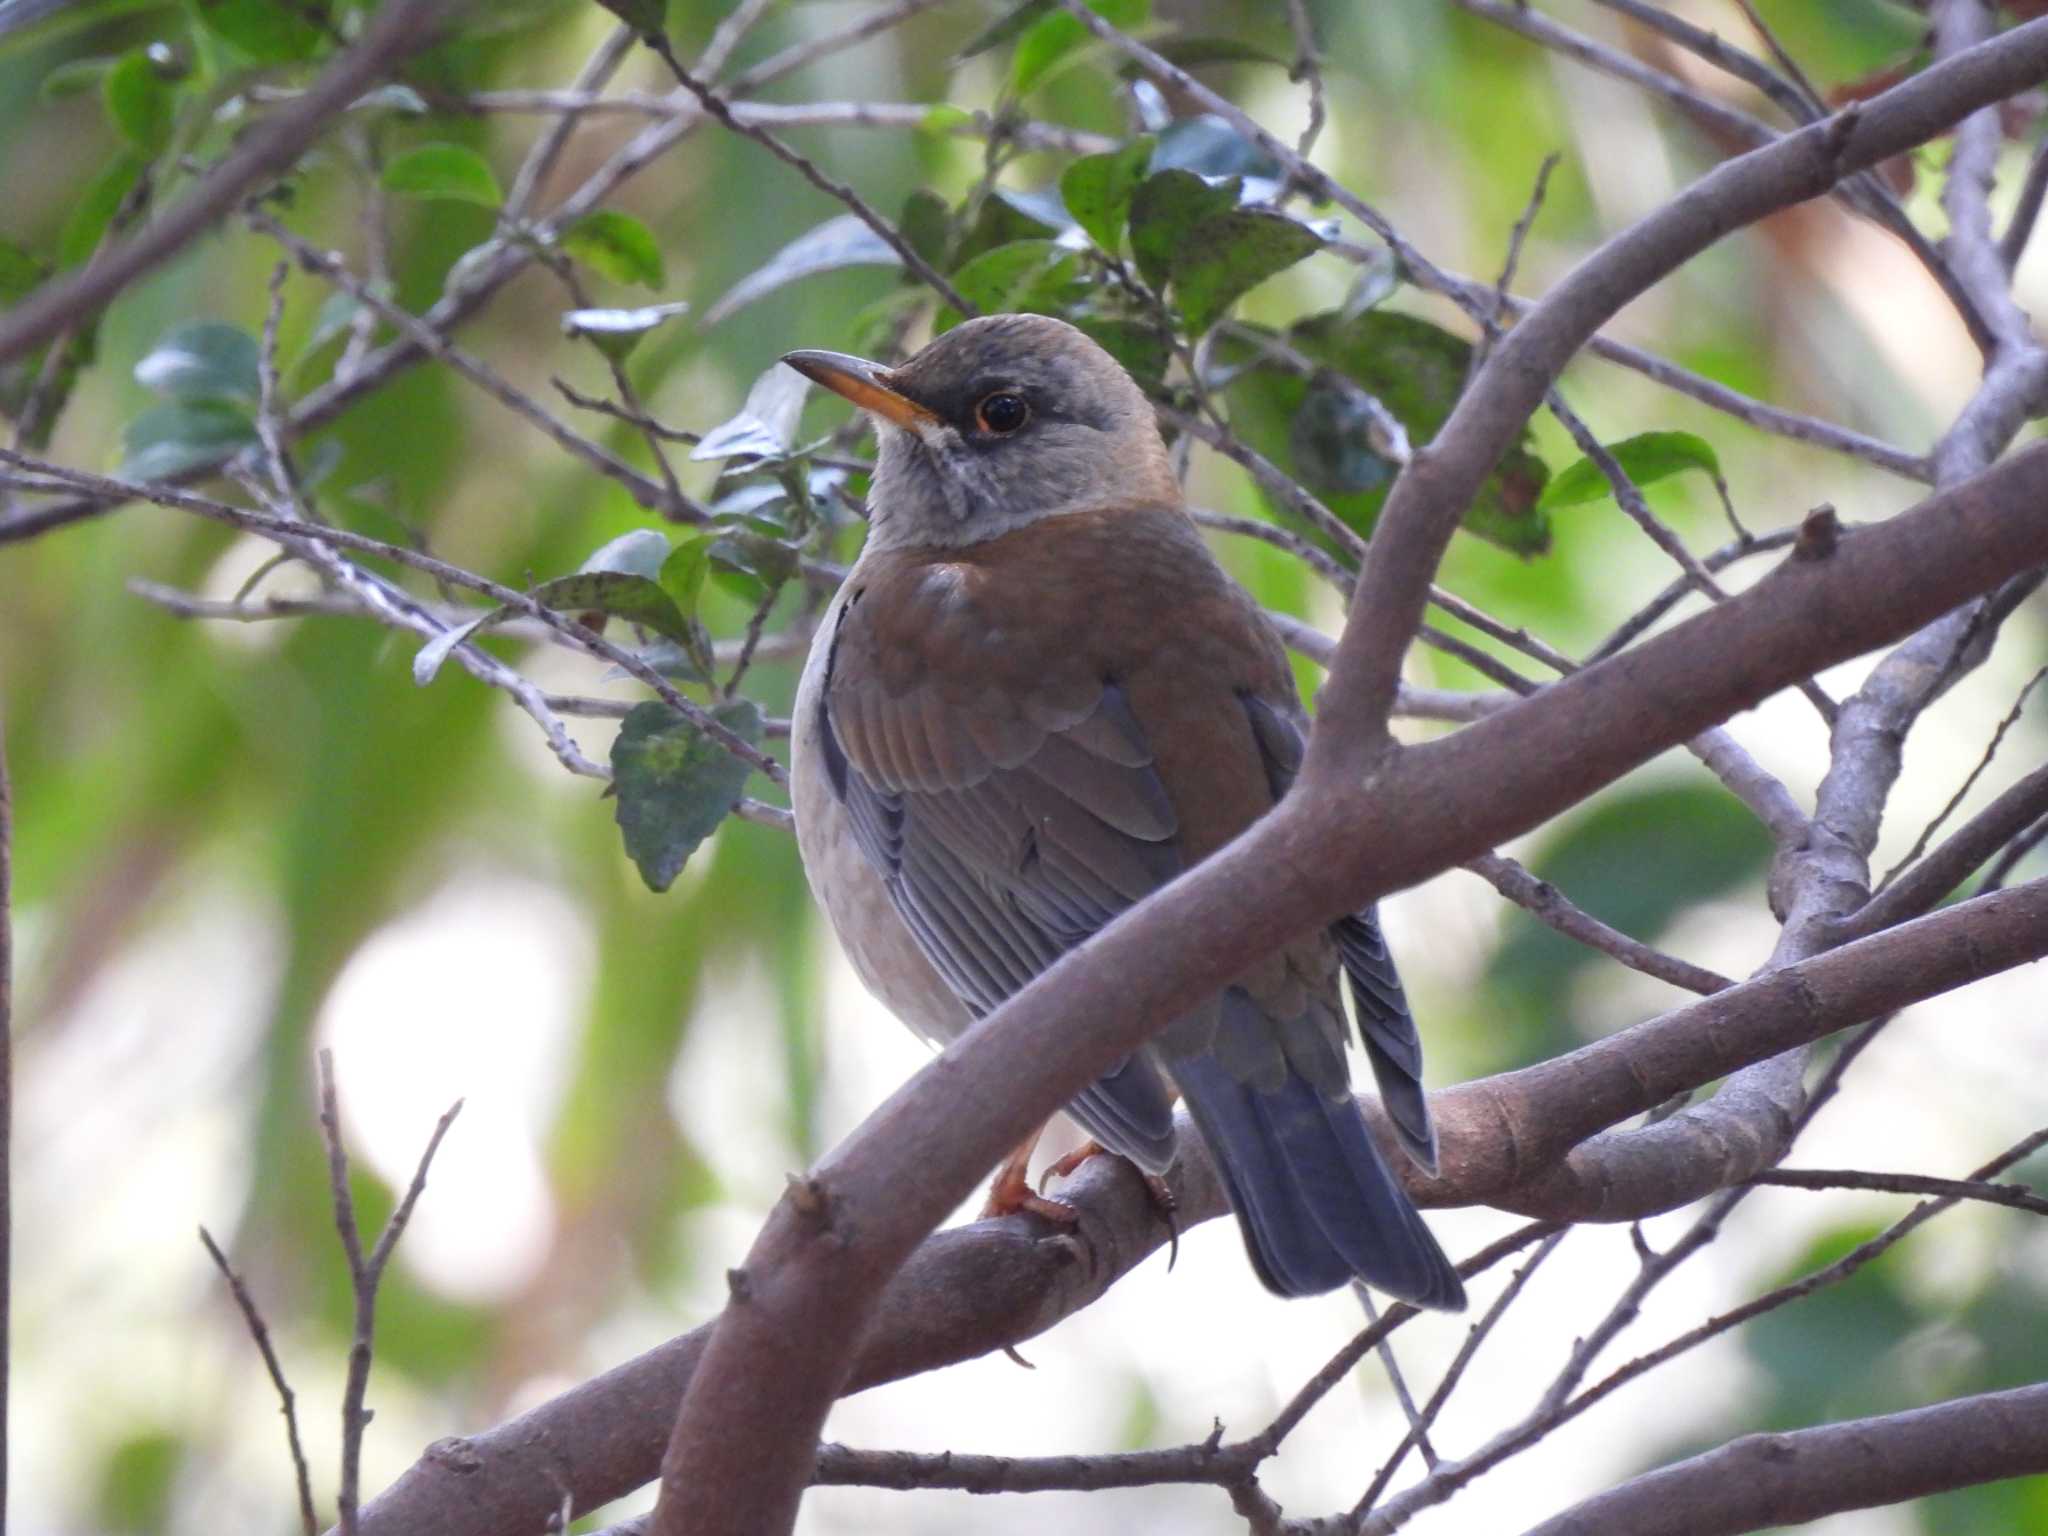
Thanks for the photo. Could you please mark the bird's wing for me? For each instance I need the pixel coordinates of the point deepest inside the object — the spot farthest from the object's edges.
(1006, 829)
(1385, 1024)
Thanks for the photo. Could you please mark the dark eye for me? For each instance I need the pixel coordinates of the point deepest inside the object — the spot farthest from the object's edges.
(1002, 413)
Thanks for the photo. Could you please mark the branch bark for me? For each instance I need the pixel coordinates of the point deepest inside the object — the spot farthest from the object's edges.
(1762, 1481)
(974, 1289)
(1370, 819)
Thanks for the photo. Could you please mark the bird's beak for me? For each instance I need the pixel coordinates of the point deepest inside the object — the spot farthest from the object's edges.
(868, 385)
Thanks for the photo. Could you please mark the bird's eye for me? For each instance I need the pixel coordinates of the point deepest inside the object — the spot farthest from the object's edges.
(1002, 413)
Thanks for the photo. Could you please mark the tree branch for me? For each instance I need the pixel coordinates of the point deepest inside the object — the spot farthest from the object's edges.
(1761, 1481)
(740, 1454)
(397, 30)
(973, 1289)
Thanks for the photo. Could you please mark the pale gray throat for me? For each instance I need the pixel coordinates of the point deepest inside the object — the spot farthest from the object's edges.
(931, 489)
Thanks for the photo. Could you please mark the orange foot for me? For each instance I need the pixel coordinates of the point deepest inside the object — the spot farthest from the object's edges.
(1011, 1190)
(1162, 1197)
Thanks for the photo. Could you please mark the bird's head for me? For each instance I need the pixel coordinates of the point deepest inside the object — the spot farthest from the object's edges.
(998, 423)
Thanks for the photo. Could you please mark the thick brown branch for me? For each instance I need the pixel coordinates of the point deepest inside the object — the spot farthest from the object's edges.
(1761, 1481)
(973, 1289)
(781, 1355)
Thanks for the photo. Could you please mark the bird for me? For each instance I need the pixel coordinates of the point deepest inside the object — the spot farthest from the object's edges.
(1035, 699)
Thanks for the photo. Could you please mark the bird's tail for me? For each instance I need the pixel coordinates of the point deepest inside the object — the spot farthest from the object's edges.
(1317, 1204)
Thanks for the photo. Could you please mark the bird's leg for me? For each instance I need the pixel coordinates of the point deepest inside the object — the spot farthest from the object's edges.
(1011, 1190)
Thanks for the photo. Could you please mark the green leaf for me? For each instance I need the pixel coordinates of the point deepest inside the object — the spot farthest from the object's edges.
(637, 599)
(1645, 458)
(639, 553)
(616, 332)
(97, 204)
(205, 360)
(268, 31)
(1027, 275)
(765, 426)
(647, 17)
(926, 223)
(1002, 29)
(443, 170)
(1097, 190)
(1002, 218)
(1194, 52)
(138, 101)
(1165, 209)
(1415, 370)
(19, 272)
(768, 561)
(683, 572)
(1225, 257)
(675, 784)
(845, 241)
(1052, 38)
(167, 440)
(617, 245)
(74, 77)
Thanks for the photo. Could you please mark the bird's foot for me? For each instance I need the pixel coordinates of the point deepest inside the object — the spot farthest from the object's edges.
(1011, 1192)
(1155, 1186)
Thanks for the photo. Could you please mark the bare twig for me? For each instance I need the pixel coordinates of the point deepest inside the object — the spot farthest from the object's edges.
(2017, 1196)
(252, 1316)
(452, 575)
(1772, 1480)
(332, 268)
(1550, 904)
(716, 105)
(1969, 782)
(365, 1271)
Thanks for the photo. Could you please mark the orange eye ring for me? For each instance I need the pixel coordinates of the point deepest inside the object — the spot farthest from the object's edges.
(1002, 413)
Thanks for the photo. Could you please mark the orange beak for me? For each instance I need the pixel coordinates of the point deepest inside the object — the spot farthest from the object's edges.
(868, 385)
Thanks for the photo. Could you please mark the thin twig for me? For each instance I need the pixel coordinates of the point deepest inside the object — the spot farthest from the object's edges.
(2018, 1196)
(365, 1272)
(716, 105)
(1969, 782)
(1550, 904)
(278, 528)
(266, 151)
(327, 265)
(1455, 1372)
(287, 1400)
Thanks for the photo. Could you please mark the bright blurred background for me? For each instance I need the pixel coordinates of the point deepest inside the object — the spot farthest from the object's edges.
(238, 843)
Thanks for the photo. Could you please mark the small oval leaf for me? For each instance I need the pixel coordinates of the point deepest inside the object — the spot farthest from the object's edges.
(675, 785)
(617, 245)
(443, 170)
(1645, 458)
(138, 101)
(1097, 190)
(206, 360)
(844, 241)
(167, 440)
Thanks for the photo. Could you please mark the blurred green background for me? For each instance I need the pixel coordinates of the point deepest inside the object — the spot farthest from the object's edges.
(237, 842)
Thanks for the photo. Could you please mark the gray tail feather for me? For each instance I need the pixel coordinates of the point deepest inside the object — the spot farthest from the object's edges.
(1387, 1030)
(1129, 1111)
(1317, 1205)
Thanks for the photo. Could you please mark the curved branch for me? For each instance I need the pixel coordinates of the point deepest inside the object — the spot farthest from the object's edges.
(1761, 1481)
(974, 1289)
(1370, 819)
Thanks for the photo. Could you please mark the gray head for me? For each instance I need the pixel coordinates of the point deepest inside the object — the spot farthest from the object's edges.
(998, 423)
